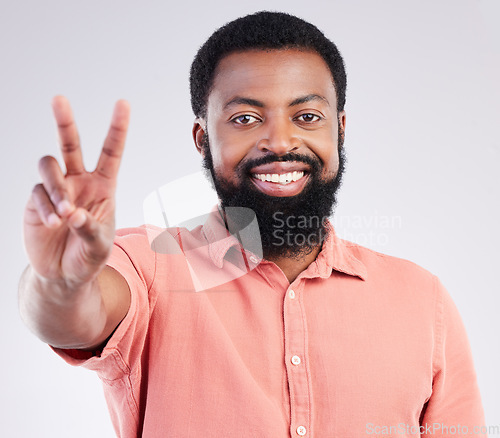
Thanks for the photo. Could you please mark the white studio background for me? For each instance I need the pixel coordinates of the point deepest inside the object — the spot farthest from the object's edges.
(422, 141)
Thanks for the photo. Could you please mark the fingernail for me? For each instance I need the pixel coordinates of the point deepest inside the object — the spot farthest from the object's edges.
(78, 219)
(64, 207)
(53, 220)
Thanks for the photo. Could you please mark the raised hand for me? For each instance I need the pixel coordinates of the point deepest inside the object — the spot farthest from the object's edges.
(69, 219)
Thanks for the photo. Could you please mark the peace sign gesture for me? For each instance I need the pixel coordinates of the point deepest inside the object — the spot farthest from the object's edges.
(69, 221)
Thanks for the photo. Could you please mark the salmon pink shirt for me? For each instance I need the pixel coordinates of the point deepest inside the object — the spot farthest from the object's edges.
(360, 344)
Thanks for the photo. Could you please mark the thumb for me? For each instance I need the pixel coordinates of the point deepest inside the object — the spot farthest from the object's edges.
(84, 225)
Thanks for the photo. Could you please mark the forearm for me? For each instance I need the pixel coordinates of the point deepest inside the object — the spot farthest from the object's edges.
(61, 315)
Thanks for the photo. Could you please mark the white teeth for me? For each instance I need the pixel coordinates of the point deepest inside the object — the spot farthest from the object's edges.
(284, 178)
(297, 175)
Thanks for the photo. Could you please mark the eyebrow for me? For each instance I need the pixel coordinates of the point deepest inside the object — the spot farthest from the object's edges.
(239, 100)
(308, 98)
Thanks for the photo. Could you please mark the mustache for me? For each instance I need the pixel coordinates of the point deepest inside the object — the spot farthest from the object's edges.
(314, 163)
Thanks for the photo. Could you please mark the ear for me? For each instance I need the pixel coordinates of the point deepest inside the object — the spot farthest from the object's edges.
(341, 117)
(199, 130)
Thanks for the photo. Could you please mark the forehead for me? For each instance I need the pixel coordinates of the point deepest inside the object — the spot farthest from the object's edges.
(271, 76)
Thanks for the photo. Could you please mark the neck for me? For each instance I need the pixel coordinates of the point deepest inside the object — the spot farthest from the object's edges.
(293, 263)
(292, 267)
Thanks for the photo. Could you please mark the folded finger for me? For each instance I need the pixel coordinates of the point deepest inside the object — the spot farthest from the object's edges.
(44, 207)
(68, 135)
(84, 225)
(112, 151)
(55, 185)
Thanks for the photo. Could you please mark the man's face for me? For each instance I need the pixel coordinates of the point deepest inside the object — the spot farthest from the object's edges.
(274, 134)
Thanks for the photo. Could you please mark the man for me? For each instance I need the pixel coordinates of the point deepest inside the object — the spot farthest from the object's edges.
(208, 332)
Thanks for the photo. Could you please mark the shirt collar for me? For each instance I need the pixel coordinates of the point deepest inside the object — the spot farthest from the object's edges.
(220, 240)
(336, 254)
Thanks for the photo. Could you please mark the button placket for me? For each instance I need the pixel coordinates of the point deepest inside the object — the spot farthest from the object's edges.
(296, 366)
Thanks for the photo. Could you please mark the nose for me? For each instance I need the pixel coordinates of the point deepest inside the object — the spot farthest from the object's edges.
(278, 137)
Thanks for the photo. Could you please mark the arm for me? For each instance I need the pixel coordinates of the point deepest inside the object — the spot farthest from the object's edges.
(455, 398)
(82, 318)
(67, 296)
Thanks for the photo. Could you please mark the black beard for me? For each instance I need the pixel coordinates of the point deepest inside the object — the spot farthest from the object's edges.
(291, 226)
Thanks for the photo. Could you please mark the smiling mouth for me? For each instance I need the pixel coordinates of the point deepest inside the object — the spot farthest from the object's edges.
(279, 178)
(281, 184)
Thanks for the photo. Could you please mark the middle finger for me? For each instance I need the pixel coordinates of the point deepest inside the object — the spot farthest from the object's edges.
(68, 136)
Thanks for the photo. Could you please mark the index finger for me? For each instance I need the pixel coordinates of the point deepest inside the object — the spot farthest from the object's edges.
(112, 150)
(68, 135)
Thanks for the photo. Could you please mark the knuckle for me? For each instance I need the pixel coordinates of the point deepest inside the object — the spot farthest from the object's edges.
(115, 137)
(69, 147)
(46, 161)
(110, 152)
(45, 209)
(64, 125)
(39, 194)
(41, 200)
(38, 189)
(118, 128)
(57, 193)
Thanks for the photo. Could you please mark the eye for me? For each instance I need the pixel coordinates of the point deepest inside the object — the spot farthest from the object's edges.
(308, 118)
(245, 119)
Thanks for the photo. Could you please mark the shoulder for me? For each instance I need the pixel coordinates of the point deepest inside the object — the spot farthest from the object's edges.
(384, 264)
(150, 239)
(153, 250)
(395, 275)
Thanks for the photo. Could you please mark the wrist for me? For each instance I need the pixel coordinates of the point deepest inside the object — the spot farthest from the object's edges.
(59, 290)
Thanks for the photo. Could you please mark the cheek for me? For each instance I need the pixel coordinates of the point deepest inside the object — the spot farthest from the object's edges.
(228, 149)
(225, 155)
(326, 149)
(332, 165)
(218, 146)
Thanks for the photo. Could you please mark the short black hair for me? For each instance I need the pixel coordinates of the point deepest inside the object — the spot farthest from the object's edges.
(263, 30)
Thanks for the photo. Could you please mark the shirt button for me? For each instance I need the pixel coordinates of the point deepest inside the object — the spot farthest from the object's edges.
(291, 294)
(301, 430)
(253, 259)
(296, 360)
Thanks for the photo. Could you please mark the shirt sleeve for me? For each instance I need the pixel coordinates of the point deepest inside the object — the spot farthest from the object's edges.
(455, 404)
(119, 364)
